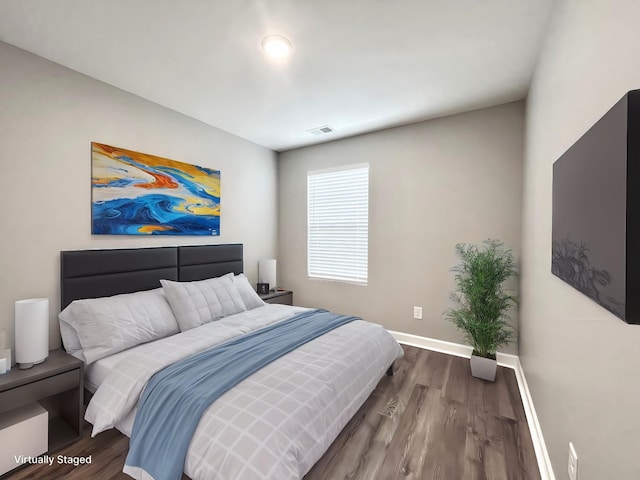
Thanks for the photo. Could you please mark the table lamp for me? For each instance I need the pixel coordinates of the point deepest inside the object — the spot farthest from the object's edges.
(267, 272)
(32, 331)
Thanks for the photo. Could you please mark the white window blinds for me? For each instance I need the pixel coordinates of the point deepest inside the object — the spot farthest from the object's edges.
(338, 224)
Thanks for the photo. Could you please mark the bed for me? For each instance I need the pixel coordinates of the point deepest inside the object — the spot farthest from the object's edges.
(273, 424)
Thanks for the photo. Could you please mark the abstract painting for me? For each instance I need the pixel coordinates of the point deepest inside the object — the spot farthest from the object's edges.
(135, 193)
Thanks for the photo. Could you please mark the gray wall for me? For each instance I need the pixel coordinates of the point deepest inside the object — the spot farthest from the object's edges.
(48, 117)
(581, 362)
(432, 184)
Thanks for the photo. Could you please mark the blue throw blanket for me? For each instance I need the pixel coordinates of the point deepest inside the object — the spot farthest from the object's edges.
(176, 397)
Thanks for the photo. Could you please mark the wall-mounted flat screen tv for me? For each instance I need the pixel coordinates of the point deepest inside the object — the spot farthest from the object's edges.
(596, 215)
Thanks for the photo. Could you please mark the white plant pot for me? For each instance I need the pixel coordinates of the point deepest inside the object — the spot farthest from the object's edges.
(484, 368)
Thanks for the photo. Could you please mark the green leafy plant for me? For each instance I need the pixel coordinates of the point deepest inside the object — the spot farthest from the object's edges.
(481, 301)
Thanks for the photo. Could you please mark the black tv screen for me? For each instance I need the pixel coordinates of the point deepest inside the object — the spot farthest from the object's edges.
(594, 231)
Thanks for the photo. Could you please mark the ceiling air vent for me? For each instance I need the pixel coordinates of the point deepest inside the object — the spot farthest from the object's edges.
(321, 130)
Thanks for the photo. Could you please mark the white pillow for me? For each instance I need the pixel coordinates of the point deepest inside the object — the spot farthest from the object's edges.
(108, 325)
(249, 296)
(70, 341)
(200, 302)
(70, 338)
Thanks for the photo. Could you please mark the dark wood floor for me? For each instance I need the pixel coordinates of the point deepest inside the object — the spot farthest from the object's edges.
(433, 421)
(430, 421)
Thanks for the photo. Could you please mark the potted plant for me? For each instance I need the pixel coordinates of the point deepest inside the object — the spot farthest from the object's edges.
(482, 303)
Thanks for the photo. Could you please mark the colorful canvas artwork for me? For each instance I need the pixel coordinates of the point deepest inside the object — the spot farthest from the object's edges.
(139, 194)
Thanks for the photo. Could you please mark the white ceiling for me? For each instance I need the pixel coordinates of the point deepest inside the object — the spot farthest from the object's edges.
(356, 65)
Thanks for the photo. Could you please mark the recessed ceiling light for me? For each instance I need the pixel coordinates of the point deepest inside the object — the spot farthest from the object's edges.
(276, 46)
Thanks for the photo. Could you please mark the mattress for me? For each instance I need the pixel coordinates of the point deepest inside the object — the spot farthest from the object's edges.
(96, 373)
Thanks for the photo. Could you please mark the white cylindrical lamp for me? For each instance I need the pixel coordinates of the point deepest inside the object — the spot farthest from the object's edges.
(32, 331)
(5, 350)
(267, 272)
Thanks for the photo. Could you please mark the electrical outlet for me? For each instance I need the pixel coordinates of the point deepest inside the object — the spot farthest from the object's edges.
(572, 468)
(417, 313)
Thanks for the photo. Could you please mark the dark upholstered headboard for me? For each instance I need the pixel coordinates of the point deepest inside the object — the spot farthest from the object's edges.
(206, 261)
(102, 273)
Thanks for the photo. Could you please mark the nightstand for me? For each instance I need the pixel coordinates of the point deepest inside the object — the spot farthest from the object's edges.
(58, 385)
(285, 297)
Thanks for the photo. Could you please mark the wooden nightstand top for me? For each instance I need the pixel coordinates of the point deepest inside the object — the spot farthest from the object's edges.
(284, 297)
(57, 362)
(270, 295)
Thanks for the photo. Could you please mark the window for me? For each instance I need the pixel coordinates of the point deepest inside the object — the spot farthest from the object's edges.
(338, 224)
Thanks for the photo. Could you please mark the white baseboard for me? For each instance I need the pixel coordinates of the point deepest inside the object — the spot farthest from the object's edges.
(505, 360)
(544, 462)
(457, 349)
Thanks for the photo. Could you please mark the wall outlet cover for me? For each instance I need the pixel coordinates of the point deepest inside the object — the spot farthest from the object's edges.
(417, 313)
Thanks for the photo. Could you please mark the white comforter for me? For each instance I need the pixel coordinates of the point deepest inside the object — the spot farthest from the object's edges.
(275, 424)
